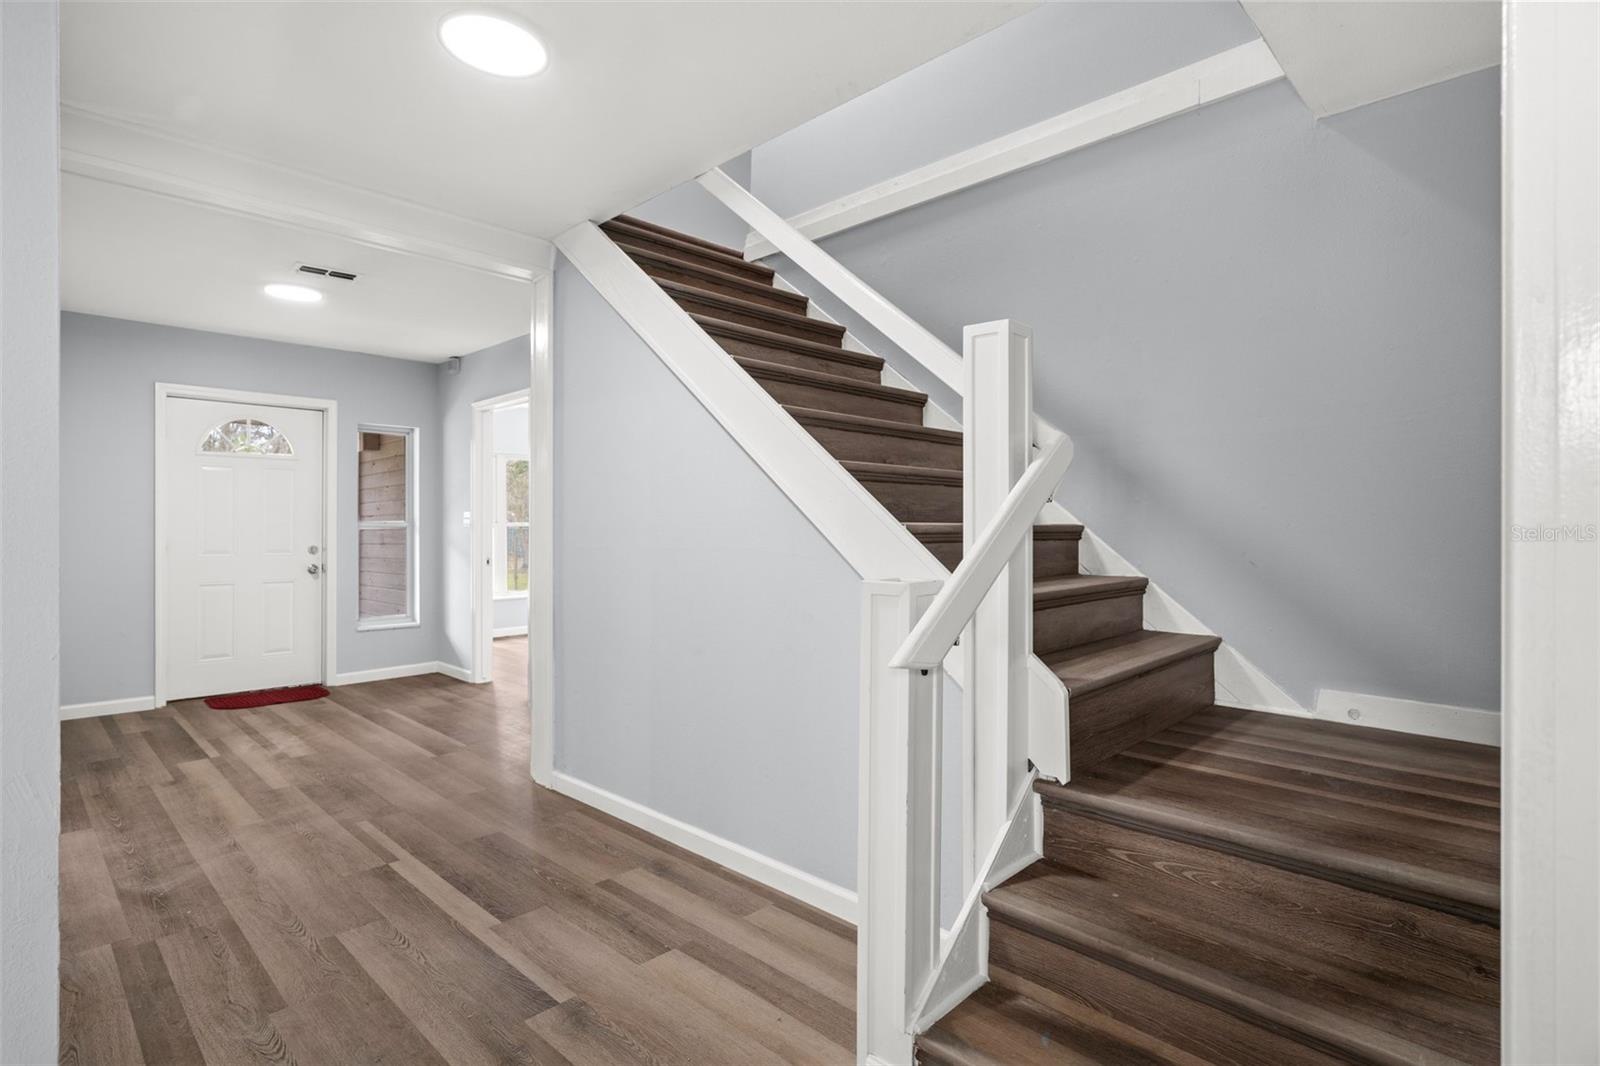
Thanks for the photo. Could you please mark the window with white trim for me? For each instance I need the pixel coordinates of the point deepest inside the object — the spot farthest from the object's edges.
(510, 525)
(386, 530)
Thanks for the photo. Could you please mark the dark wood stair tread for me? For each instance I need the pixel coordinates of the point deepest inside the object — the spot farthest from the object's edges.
(1083, 588)
(1375, 816)
(656, 227)
(759, 368)
(915, 475)
(1368, 977)
(950, 532)
(720, 327)
(1089, 667)
(865, 423)
(733, 305)
(706, 276)
(632, 231)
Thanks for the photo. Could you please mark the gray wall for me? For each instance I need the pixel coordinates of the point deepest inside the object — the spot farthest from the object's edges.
(1056, 57)
(30, 488)
(109, 368)
(706, 633)
(1276, 344)
(492, 372)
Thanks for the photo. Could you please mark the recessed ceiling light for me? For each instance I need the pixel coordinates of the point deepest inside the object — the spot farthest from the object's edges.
(300, 294)
(493, 44)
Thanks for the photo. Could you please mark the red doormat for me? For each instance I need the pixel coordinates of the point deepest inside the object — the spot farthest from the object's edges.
(264, 697)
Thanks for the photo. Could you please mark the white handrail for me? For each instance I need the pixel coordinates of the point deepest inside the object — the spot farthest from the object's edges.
(936, 631)
(863, 299)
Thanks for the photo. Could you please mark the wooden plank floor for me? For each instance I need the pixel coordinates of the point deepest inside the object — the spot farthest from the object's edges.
(374, 878)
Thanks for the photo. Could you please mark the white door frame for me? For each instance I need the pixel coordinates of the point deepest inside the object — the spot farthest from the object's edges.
(481, 560)
(541, 533)
(330, 511)
(1550, 596)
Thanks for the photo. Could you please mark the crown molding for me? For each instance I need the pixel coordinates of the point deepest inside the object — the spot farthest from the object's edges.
(100, 146)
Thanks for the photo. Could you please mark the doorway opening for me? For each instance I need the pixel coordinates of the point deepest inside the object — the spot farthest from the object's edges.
(500, 538)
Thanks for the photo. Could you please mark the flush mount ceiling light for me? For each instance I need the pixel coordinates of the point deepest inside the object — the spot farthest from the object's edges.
(299, 294)
(493, 44)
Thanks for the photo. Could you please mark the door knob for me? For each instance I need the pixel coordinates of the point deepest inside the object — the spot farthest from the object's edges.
(313, 569)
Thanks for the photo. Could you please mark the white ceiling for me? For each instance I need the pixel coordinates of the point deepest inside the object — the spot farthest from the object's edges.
(209, 146)
(1341, 54)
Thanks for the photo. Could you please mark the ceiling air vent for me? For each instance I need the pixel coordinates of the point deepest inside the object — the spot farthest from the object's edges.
(324, 272)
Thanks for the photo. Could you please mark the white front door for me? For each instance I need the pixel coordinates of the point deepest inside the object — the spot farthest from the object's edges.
(244, 547)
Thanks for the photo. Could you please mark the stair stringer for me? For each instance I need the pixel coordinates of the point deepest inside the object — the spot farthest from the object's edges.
(871, 540)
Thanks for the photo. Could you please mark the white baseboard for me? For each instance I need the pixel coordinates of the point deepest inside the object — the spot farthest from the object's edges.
(96, 709)
(1410, 716)
(460, 673)
(511, 631)
(824, 895)
(384, 673)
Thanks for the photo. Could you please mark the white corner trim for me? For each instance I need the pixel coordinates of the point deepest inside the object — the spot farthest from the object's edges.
(383, 673)
(1173, 93)
(808, 888)
(512, 631)
(1441, 720)
(99, 708)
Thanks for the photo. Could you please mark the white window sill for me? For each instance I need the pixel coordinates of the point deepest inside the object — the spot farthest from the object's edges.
(510, 596)
(377, 624)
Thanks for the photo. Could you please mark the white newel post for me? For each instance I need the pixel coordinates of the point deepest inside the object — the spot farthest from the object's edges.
(996, 442)
(897, 879)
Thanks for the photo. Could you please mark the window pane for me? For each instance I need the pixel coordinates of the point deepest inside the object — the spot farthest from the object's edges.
(383, 477)
(384, 573)
(383, 555)
(517, 558)
(516, 489)
(246, 436)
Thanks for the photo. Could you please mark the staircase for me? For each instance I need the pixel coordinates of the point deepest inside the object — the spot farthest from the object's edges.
(1217, 885)
(1126, 682)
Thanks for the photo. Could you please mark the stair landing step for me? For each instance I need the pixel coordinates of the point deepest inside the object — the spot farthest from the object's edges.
(1414, 818)
(1089, 667)
(1365, 976)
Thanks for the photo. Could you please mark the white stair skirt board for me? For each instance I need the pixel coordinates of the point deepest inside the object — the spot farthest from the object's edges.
(99, 708)
(1173, 93)
(871, 540)
(1441, 720)
(808, 888)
